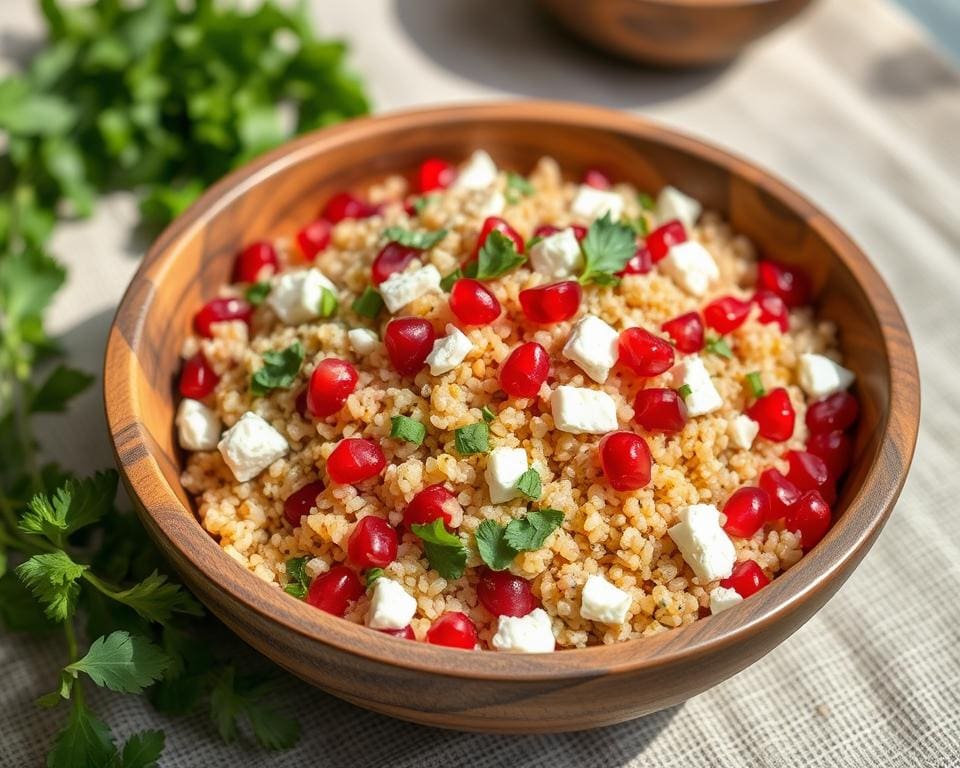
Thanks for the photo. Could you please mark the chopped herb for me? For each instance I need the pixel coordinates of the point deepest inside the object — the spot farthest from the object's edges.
(258, 292)
(756, 384)
(530, 484)
(372, 575)
(473, 438)
(368, 304)
(497, 257)
(444, 550)
(719, 346)
(407, 429)
(328, 303)
(533, 241)
(607, 248)
(488, 414)
(493, 547)
(279, 370)
(517, 187)
(529, 533)
(646, 201)
(639, 226)
(419, 240)
(446, 284)
(420, 203)
(685, 391)
(298, 582)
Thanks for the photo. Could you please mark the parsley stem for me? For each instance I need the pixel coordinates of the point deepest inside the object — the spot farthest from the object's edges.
(23, 432)
(104, 587)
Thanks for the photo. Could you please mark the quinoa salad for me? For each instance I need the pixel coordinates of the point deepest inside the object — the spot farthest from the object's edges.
(517, 412)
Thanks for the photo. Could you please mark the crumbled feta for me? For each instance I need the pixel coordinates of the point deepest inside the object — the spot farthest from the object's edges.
(691, 266)
(250, 446)
(504, 468)
(722, 598)
(594, 346)
(448, 351)
(296, 296)
(703, 397)
(674, 204)
(705, 546)
(532, 633)
(743, 431)
(315, 566)
(198, 427)
(479, 172)
(401, 288)
(493, 205)
(583, 411)
(820, 376)
(363, 341)
(591, 203)
(391, 606)
(601, 601)
(557, 255)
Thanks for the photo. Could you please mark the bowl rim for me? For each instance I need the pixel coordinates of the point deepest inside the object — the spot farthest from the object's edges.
(865, 514)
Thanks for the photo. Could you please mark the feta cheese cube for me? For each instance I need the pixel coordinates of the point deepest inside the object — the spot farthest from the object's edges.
(363, 341)
(601, 601)
(558, 255)
(250, 446)
(703, 397)
(401, 288)
(197, 426)
(674, 204)
(448, 351)
(532, 633)
(493, 205)
(820, 376)
(705, 546)
(295, 296)
(582, 411)
(315, 566)
(591, 203)
(743, 431)
(504, 467)
(690, 266)
(479, 172)
(594, 346)
(722, 598)
(391, 606)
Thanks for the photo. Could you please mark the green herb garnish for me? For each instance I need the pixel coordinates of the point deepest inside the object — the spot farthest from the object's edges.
(533, 241)
(607, 248)
(473, 438)
(498, 545)
(419, 240)
(719, 346)
(372, 575)
(298, 582)
(756, 384)
(646, 201)
(279, 370)
(368, 304)
(257, 293)
(446, 284)
(328, 303)
(497, 257)
(444, 550)
(420, 203)
(530, 484)
(492, 545)
(407, 429)
(488, 414)
(518, 186)
(685, 391)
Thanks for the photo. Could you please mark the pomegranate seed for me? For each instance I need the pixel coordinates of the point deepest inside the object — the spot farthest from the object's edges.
(747, 578)
(747, 510)
(255, 262)
(453, 629)
(393, 257)
(525, 370)
(504, 594)
(331, 383)
(408, 341)
(659, 410)
(775, 415)
(495, 223)
(834, 449)
(807, 472)
(220, 311)
(810, 518)
(197, 378)
(836, 411)
(789, 283)
(432, 503)
(373, 543)
(726, 314)
(406, 633)
(301, 501)
(597, 179)
(435, 173)
(640, 263)
(783, 494)
(334, 590)
(314, 238)
(625, 458)
(473, 303)
(354, 460)
(664, 236)
(345, 205)
(643, 353)
(773, 309)
(552, 303)
(686, 332)
(545, 230)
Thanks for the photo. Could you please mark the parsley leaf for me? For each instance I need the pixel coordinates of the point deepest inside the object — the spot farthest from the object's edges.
(407, 429)
(155, 598)
(497, 257)
(142, 750)
(529, 533)
(77, 504)
(420, 203)
(685, 390)
(472, 438)
(448, 280)
(368, 304)
(518, 186)
(279, 370)
(372, 575)
(236, 695)
(257, 293)
(530, 484)
(84, 741)
(488, 414)
(444, 550)
(328, 303)
(419, 240)
(53, 578)
(122, 662)
(493, 547)
(63, 384)
(298, 582)
(756, 384)
(607, 248)
(719, 346)
(646, 201)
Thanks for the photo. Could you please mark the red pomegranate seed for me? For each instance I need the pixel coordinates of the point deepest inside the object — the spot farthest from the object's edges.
(545, 230)
(197, 377)
(659, 410)
(775, 415)
(496, 224)
(686, 332)
(432, 503)
(834, 449)
(810, 518)
(393, 257)
(435, 173)
(373, 543)
(405, 634)
(625, 458)
(473, 303)
(331, 383)
(773, 309)
(454, 630)
(807, 472)
(747, 578)
(220, 311)
(597, 179)
(640, 263)
(354, 460)
(408, 341)
(300, 502)
(747, 510)
(334, 590)
(525, 370)
(345, 205)
(314, 238)
(643, 353)
(726, 314)
(664, 236)
(789, 283)
(255, 262)
(552, 303)
(783, 494)
(504, 594)
(836, 411)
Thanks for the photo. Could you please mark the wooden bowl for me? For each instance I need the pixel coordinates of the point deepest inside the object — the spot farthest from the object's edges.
(488, 691)
(675, 33)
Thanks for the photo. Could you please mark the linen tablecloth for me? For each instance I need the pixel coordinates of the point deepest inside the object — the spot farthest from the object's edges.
(854, 106)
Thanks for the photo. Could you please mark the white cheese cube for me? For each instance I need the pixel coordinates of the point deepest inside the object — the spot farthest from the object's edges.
(601, 601)
(532, 633)
(673, 204)
(705, 546)
(594, 346)
(722, 598)
(504, 468)
(250, 446)
(315, 566)
(448, 351)
(363, 341)
(582, 411)
(703, 397)
(820, 376)
(401, 288)
(591, 203)
(558, 255)
(391, 606)
(198, 427)
(479, 172)
(743, 431)
(690, 266)
(493, 205)
(296, 296)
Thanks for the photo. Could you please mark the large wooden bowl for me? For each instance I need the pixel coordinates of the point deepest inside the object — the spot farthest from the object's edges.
(675, 33)
(488, 691)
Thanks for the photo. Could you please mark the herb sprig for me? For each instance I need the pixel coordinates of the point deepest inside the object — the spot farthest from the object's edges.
(498, 545)
(607, 248)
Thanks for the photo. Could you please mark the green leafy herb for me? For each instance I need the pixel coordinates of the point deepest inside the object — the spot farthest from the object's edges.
(298, 582)
(142, 750)
(639, 226)
(756, 384)
(444, 550)
(446, 284)
(517, 187)
(493, 547)
(368, 304)
(257, 293)
(236, 696)
(407, 429)
(84, 741)
(533, 241)
(472, 438)
(685, 391)
(279, 369)
(607, 248)
(372, 575)
(497, 257)
(419, 240)
(122, 662)
(155, 599)
(328, 303)
(719, 346)
(530, 484)
(74, 506)
(488, 414)
(529, 533)
(52, 577)
(420, 203)
(646, 201)
(61, 386)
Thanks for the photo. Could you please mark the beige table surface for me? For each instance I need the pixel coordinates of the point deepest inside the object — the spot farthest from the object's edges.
(853, 106)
